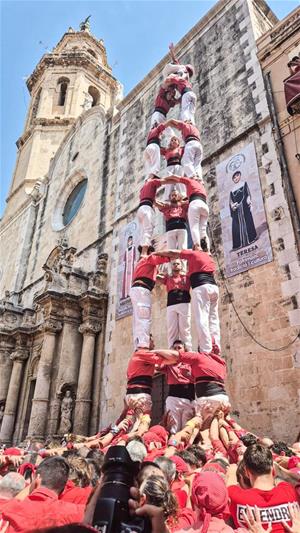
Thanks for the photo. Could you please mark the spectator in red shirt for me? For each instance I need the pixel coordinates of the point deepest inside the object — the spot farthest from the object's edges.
(145, 213)
(193, 151)
(188, 97)
(42, 508)
(272, 501)
(10, 485)
(205, 295)
(178, 305)
(152, 151)
(144, 277)
(175, 214)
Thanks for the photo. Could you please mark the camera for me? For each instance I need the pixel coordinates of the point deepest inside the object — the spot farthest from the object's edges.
(112, 512)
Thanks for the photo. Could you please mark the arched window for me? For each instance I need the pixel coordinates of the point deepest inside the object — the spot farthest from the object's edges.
(62, 90)
(74, 201)
(94, 94)
(92, 53)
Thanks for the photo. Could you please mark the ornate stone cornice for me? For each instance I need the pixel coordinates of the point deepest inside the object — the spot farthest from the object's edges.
(89, 327)
(20, 355)
(71, 58)
(64, 121)
(51, 326)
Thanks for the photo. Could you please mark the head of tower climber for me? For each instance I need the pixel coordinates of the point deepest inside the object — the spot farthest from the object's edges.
(236, 176)
(190, 70)
(174, 142)
(179, 345)
(175, 196)
(176, 266)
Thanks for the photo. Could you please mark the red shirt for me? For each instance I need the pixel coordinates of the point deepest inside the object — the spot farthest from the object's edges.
(179, 374)
(161, 103)
(272, 504)
(188, 130)
(180, 282)
(147, 267)
(172, 156)
(148, 191)
(198, 261)
(174, 211)
(204, 365)
(181, 84)
(41, 509)
(154, 134)
(74, 494)
(193, 187)
(142, 365)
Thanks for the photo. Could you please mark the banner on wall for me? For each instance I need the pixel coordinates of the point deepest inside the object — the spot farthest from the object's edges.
(128, 255)
(245, 236)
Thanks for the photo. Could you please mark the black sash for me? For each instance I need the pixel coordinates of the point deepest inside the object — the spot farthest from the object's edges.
(155, 140)
(191, 138)
(182, 391)
(209, 386)
(197, 196)
(176, 223)
(146, 201)
(173, 161)
(201, 278)
(138, 390)
(147, 283)
(177, 296)
(161, 110)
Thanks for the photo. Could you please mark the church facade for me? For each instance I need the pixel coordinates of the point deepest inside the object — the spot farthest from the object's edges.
(65, 322)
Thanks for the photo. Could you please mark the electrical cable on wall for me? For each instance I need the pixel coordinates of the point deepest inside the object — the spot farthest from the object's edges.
(236, 311)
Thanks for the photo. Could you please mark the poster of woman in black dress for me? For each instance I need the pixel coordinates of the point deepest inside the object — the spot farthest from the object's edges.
(240, 203)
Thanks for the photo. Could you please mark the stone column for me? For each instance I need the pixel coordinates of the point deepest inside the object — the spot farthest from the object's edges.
(18, 357)
(89, 329)
(6, 347)
(39, 411)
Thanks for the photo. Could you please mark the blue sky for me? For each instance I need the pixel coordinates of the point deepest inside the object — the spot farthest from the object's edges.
(136, 34)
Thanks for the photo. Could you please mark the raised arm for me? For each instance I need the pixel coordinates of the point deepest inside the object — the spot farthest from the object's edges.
(173, 254)
(170, 356)
(172, 53)
(159, 205)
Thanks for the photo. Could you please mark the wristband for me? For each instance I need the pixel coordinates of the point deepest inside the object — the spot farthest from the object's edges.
(173, 442)
(115, 430)
(191, 424)
(145, 419)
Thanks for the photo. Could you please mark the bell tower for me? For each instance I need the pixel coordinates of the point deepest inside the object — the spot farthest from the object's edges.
(66, 82)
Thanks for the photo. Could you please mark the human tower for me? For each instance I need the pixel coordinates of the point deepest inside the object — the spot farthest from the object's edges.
(195, 378)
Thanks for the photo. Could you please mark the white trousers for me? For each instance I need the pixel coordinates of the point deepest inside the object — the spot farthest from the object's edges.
(181, 411)
(157, 117)
(138, 401)
(206, 406)
(191, 159)
(152, 159)
(179, 324)
(205, 312)
(145, 217)
(198, 217)
(188, 106)
(177, 239)
(141, 316)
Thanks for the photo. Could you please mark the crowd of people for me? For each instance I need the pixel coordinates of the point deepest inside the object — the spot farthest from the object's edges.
(198, 470)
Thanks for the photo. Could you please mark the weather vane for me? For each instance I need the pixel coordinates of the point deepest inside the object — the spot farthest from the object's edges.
(85, 25)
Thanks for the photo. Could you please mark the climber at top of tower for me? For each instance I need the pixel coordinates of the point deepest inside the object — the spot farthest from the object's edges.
(176, 68)
(188, 97)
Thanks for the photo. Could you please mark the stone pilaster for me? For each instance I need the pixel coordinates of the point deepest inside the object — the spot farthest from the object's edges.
(6, 348)
(40, 403)
(92, 313)
(17, 357)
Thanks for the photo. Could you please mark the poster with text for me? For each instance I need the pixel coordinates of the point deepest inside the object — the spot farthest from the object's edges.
(128, 255)
(245, 235)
